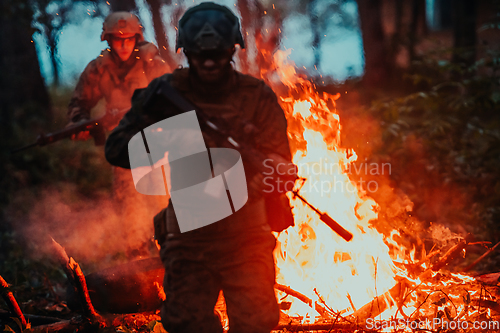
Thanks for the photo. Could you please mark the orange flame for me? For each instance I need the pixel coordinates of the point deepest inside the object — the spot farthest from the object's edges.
(310, 257)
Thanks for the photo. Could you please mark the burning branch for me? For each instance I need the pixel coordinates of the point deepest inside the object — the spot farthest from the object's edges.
(9, 298)
(287, 290)
(487, 253)
(386, 300)
(319, 327)
(449, 256)
(379, 304)
(77, 279)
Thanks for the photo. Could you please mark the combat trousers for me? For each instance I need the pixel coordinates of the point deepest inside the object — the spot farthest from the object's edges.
(198, 267)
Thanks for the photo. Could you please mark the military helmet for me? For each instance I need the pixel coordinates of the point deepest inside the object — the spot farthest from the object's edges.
(122, 23)
(208, 26)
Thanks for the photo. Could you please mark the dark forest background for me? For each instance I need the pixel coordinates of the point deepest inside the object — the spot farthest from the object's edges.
(428, 103)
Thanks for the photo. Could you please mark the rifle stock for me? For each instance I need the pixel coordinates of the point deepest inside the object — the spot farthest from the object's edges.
(93, 126)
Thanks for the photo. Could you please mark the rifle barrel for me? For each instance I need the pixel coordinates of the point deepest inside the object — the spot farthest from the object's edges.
(94, 126)
(17, 150)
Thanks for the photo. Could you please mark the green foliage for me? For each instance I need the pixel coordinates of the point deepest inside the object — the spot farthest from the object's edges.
(444, 144)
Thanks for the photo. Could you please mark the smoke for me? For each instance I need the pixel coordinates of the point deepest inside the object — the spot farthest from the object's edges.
(99, 230)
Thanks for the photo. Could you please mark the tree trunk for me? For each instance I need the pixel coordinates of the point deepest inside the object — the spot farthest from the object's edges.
(464, 32)
(246, 28)
(375, 53)
(122, 5)
(161, 37)
(23, 95)
(21, 82)
(52, 43)
(316, 42)
(418, 26)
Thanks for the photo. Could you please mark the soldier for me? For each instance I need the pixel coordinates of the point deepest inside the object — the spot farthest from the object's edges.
(128, 64)
(235, 254)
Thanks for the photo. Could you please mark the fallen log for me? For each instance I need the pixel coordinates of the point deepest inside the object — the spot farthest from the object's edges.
(128, 288)
(34, 320)
(63, 326)
(380, 303)
(82, 324)
(76, 324)
(9, 298)
(77, 279)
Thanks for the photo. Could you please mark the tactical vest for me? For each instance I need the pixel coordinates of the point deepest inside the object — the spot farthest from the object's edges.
(118, 83)
(238, 102)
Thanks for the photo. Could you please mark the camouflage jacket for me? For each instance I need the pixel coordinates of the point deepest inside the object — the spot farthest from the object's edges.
(115, 81)
(243, 97)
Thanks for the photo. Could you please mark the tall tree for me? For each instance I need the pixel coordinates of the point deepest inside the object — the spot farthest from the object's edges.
(161, 37)
(464, 32)
(321, 15)
(123, 5)
(51, 18)
(23, 95)
(376, 64)
(315, 27)
(21, 81)
(261, 26)
(417, 27)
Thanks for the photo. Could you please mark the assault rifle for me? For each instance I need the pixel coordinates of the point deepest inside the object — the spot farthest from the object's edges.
(96, 128)
(222, 134)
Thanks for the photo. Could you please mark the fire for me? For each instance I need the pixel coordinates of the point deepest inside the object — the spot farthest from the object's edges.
(318, 272)
(310, 257)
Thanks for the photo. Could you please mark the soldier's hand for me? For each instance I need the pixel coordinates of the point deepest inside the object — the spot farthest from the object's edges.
(81, 136)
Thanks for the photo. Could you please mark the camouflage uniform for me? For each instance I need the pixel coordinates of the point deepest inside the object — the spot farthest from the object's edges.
(235, 254)
(115, 80)
(109, 78)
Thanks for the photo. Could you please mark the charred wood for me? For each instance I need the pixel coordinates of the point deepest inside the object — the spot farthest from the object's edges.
(77, 324)
(77, 279)
(9, 298)
(380, 303)
(451, 254)
(34, 320)
(396, 293)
